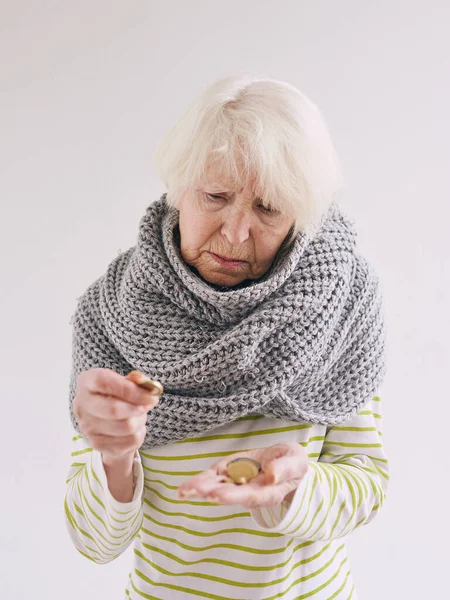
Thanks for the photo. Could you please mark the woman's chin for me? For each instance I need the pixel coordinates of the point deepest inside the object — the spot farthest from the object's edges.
(222, 277)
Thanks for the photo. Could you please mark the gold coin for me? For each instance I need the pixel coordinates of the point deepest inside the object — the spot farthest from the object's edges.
(243, 469)
(145, 382)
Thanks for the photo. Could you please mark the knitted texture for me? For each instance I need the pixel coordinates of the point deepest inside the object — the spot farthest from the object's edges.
(304, 343)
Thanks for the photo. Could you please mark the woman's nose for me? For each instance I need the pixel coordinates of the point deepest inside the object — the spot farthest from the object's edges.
(236, 227)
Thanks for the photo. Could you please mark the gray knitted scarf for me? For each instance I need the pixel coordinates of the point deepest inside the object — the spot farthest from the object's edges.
(305, 343)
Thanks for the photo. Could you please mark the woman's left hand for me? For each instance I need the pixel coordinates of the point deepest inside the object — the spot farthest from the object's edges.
(282, 468)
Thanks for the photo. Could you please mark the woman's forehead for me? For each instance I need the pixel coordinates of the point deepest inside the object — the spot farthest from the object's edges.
(223, 181)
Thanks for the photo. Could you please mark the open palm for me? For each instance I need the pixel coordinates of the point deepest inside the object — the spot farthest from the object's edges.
(282, 468)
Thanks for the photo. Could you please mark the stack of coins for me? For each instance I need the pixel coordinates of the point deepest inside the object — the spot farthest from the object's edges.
(242, 470)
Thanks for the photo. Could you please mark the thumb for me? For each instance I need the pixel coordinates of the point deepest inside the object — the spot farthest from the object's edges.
(285, 468)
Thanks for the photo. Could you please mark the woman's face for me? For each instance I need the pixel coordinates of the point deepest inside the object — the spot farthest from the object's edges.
(228, 235)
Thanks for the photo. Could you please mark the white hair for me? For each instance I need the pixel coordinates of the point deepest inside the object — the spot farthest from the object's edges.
(261, 131)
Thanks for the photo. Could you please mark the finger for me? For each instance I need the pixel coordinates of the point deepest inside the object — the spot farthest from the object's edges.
(106, 407)
(115, 428)
(109, 383)
(279, 450)
(285, 468)
(231, 493)
(199, 485)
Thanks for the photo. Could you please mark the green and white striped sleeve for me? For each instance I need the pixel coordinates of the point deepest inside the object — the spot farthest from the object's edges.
(343, 489)
(100, 527)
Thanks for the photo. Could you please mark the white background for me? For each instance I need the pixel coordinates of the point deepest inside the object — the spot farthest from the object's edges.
(87, 88)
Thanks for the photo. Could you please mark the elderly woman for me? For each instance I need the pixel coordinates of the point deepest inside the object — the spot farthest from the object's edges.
(245, 297)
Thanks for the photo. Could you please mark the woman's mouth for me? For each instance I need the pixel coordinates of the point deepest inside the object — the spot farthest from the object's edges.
(228, 263)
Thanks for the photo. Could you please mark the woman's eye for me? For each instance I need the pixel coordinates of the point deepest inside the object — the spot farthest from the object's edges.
(214, 197)
(268, 209)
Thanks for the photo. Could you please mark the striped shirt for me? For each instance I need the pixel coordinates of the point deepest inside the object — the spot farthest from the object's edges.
(191, 549)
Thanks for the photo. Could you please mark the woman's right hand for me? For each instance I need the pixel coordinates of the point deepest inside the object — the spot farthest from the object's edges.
(112, 412)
